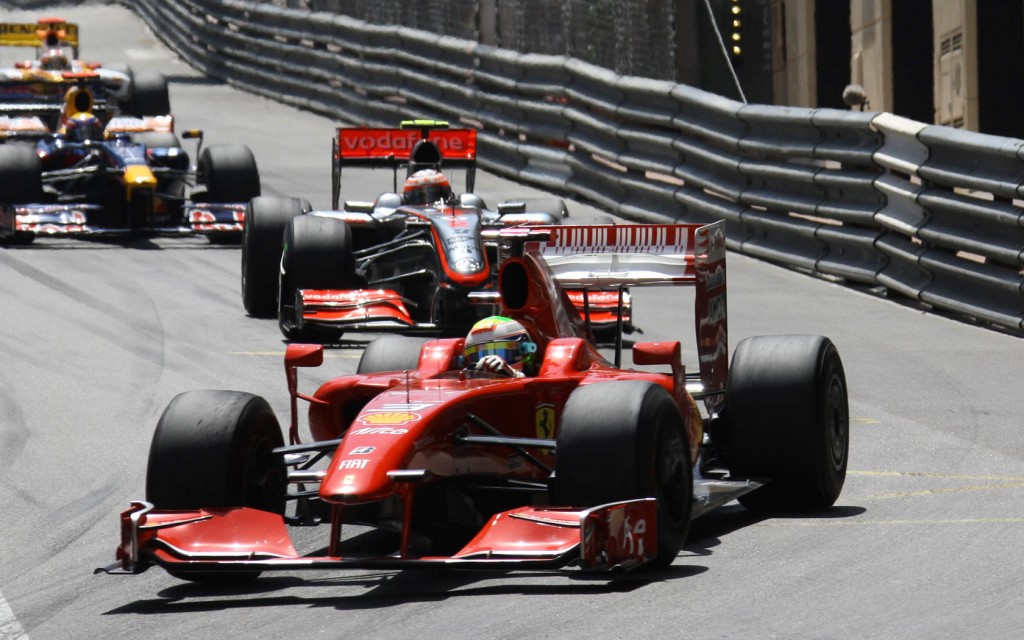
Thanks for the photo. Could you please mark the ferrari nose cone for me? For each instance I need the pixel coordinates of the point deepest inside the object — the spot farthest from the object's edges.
(358, 475)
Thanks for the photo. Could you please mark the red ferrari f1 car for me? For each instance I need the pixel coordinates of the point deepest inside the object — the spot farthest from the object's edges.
(405, 262)
(583, 464)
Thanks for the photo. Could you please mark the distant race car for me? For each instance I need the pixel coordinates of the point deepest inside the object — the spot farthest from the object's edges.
(128, 176)
(404, 262)
(37, 87)
(583, 463)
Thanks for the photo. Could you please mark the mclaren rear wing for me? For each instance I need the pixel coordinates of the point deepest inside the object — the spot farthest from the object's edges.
(394, 149)
(641, 255)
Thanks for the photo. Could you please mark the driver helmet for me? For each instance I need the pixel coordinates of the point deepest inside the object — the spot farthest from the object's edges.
(83, 127)
(500, 336)
(54, 60)
(426, 186)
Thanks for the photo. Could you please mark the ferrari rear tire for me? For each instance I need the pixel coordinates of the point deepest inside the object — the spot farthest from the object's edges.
(149, 94)
(625, 440)
(215, 449)
(787, 420)
(391, 353)
(266, 218)
(317, 255)
(230, 173)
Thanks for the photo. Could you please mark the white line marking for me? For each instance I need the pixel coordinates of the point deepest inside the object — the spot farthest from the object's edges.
(10, 628)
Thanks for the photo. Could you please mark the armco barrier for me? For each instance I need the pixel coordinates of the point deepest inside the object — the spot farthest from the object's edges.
(925, 211)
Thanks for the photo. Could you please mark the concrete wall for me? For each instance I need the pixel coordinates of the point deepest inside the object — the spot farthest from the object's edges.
(796, 81)
(956, 62)
(870, 51)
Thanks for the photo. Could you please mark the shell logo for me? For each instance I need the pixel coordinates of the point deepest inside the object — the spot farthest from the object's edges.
(389, 417)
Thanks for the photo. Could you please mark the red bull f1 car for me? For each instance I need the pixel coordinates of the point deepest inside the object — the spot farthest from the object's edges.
(399, 263)
(583, 464)
(125, 176)
(37, 86)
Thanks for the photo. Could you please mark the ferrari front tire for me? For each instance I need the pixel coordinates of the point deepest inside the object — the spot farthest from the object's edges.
(625, 440)
(215, 449)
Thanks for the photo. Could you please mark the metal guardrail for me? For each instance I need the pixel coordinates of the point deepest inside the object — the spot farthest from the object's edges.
(926, 211)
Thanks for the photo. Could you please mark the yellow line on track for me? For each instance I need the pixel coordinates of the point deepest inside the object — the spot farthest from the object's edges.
(945, 476)
(935, 492)
(860, 522)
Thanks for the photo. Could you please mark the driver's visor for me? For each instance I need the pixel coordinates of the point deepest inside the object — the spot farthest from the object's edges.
(511, 351)
(427, 194)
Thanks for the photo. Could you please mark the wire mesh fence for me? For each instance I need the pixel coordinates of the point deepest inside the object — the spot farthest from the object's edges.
(630, 37)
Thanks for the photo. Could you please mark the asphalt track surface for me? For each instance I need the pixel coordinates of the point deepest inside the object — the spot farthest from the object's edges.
(926, 541)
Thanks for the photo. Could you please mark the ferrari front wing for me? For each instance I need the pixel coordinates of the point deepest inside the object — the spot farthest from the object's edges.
(613, 537)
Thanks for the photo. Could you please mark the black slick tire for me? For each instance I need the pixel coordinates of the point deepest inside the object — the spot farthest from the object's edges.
(265, 221)
(625, 440)
(230, 173)
(317, 255)
(391, 353)
(214, 449)
(21, 181)
(150, 96)
(787, 420)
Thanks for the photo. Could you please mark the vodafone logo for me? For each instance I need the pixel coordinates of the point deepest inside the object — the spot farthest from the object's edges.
(356, 143)
(384, 141)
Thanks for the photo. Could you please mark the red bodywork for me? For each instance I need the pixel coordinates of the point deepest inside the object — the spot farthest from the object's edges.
(401, 432)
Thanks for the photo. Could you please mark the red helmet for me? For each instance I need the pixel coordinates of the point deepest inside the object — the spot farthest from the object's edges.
(426, 186)
(83, 127)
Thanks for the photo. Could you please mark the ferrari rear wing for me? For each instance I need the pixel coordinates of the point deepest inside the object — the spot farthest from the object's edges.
(396, 148)
(631, 255)
(640, 255)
